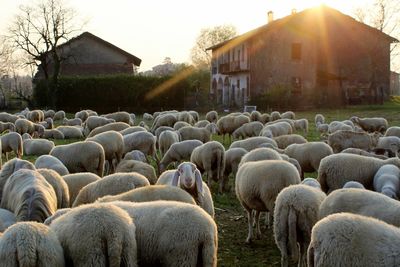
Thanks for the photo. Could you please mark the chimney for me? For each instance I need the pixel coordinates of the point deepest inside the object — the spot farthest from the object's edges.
(270, 16)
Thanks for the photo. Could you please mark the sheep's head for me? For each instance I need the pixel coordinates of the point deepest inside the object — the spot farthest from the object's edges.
(354, 119)
(390, 192)
(189, 177)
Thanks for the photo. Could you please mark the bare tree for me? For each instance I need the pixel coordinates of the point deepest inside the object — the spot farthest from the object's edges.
(207, 38)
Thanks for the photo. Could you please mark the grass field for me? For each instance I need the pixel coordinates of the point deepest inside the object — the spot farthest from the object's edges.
(230, 216)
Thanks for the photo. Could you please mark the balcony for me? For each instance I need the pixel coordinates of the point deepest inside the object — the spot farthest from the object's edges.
(232, 67)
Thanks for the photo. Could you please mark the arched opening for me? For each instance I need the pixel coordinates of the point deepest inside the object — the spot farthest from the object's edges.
(220, 86)
(226, 91)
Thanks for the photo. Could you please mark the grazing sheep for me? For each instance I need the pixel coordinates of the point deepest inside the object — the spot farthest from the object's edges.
(352, 240)
(258, 183)
(275, 115)
(83, 115)
(85, 156)
(295, 213)
(50, 162)
(393, 131)
(233, 157)
(202, 123)
(120, 116)
(133, 129)
(253, 143)
(164, 120)
(362, 152)
(29, 196)
(113, 126)
(143, 168)
(152, 193)
(301, 124)
(188, 177)
(95, 121)
(166, 139)
(283, 141)
(276, 129)
(12, 142)
(47, 123)
(30, 244)
(186, 117)
(335, 126)
(212, 116)
(143, 141)
(391, 143)
(341, 140)
(7, 126)
(288, 115)
(178, 152)
(136, 155)
(195, 115)
(248, 130)
(59, 115)
(335, 170)
(311, 182)
(25, 126)
(255, 116)
(353, 184)
(113, 145)
(210, 158)
(108, 233)
(180, 124)
(7, 218)
(53, 133)
(35, 116)
(70, 132)
(49, 113)
(6, 117)
(77, 181)
(228, 124)
(72, 122)
(147, 116)
(113, 184)
(371, 124)
(387, 181)
(319, 119)
(59, 185)
(36, 147)
(322, 128)
(261, 153)
(194, 133)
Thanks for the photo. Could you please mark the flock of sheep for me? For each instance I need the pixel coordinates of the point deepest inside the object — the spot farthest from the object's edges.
(100, 202)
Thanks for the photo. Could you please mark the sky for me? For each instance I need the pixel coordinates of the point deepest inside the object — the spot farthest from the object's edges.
(155, 29)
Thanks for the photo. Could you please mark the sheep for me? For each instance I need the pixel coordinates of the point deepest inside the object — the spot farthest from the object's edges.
(276, 129)
(77, 181)
(210, 158)
(311, 182)
(113, 145)
(337, 169)
(95, 121)
(164, 120)
(7, 126)
(48, 123)
(371, 124)
(248, 130)
(83, 115)
(59, 115)
(283, 141)
(258, 183)
(212, 116)
(178, 152)
(202, 123)
(72, 122)
(133, 129)
(322, 128)
(143, 141)
(53, 133)
(339, 126)
(309, 155)
(35, 116)
(195, 115)
(147, 116)
(161, 129)
(275, 115)
(180, 124)
(50, 162)
(6, 117)
(188, 177)
(24, 126)
(353, 184)
(143, 168)
(12, 142)
(59, 185)
(295, 213)
(113, 126)
(36, 147)
(136, 155)
(29, 196)
(7, 218)
(108, 233)
(389, 142)
(387, 181)
(152, 193)
(255, 116)
(288, 115)
(173, 233)
(81, 156)
(120, 116)
(166, 139)
(265, 117)
(49, 113)
(228, 124)
(186, 117)
(194, 133)
(362, 152)
(233, 157)
(253, 143)
(70, 132)
(352, 240)
(260, 154)
(393, 131)
(341, 140)
(319, 119)
(301, 124)
(30, 244)
(112, 184)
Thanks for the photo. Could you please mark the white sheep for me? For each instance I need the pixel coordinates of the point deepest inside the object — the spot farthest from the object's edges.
(164, 120)
(301, 124)
(249, 129)
(59, 185)
(337, 169)
(35, 116)
(143, 141)
(339, 126)
(77, 181)
(30, 244)
(284, 141)
(36, 147)
(59, 115)
(275, 115)
(210, 158)
(135, 155)
(228, 124)
(295, 213)
(95, 121)
(70, 131)
(387, 181)
(311, 182)
(49, 113)
(352, 240)
(233, 157)
(147, 116)
(180, 124)
(341, 140)
(258, 154)
(48, 123)
(194, 133)
(390, 143)
(322, 128)
(288, 115)
(7, 218)
(195, 115)
(143, 168)
(319, 119)
(166, 139)
(53, 133)
(7, 126)
(253, 143)
(50, 162)
(81, 156)
(353, 184)
(119, 116)
(83, 115)
(258, 183)
(25, 126)
(202, 123)
(393, 131)
(113, 126)
(362, 152)
(7, 117)
(72, 122)
(133, 129)
(12, 142)
(371, 124)
(212, 116)
(276, 129)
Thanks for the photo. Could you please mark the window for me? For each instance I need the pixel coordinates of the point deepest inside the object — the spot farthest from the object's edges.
(296, 85)
(296, 51)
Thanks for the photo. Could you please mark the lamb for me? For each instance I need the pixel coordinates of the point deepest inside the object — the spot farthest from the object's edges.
(335, 170)
(288, 115)
(301, 124)
(29, 196)
(81, 156)
(275, 115)
(210, 158)
(258, 183)
(390, 143)
(309, 155)
(7, 126)
(283, 141)
(147, 116)
(188, 177)
(253, 143)
(7, 218)
(387, 181)
(194, 133)
(30, 244)
(353, 240)
(178, 152)
(72, 122)
(276, 129)
(295, 213)
(143, 168)
(164, 120)
(371, 124)
(83, 115)
(362, 152)
(353, 184)
(143, 141)
(48, 123)
(53, 133)
(24, 126)
(50, 162)
(6, 117)
(70, 132)
(393, 131)
(152, 193)
(35, 116)
(319, 119)
(59, 115)
(36, 147)
(108, 233)
(136, 155)
(228, 124)
(113, 145)
(113, 184)
(77, 181)
(166, 139)
(12, 142)
(161, 129)
(95, 121)
(341, 140)
(113, 126)
(233, 157)
(133, 129)
(322, 128)
(248, 130)
(120, 116)
(212, 116)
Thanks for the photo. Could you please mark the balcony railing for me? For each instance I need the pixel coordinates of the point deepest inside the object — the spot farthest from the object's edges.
(231, 67)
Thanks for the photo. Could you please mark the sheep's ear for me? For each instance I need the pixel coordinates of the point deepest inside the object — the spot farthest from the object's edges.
(199, 182)
(175, 179)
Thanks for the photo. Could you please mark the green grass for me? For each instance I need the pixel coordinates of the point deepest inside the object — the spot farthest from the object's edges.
(230, 216)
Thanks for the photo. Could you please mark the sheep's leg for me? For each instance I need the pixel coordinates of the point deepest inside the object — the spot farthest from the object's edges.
(250, 221)
(257, 224)
(256, 214)
(303, 254)
(6, 156)
(209, 177)
(268, 219)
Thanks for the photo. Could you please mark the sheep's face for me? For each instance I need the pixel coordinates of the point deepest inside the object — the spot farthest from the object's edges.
(186, 175)
(388, 191)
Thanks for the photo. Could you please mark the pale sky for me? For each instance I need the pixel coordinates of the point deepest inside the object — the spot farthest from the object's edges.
(155, 29)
